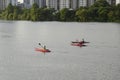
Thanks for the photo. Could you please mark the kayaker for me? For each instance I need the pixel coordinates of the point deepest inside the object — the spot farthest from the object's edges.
(45, 47)
(83, 40)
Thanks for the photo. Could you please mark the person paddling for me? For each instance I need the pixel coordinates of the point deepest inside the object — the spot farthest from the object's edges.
(83, 40)
(45, 47)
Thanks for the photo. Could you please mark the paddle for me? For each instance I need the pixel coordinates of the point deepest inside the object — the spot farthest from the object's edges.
(41, 45)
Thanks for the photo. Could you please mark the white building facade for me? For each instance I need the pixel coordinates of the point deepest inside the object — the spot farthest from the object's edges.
(40, 3)
(53, 4)
(27, 4)
(117, 1)
(60, 4)
(90, 2)
(64, 4)
(13, 2)
(82, 3)
(2, 4)
(5, 3)
(74, 4)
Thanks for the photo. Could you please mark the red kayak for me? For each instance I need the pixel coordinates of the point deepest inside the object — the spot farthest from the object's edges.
(77, 44)
(42, 50)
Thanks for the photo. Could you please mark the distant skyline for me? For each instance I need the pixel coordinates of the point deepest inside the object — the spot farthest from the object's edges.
(117, 1)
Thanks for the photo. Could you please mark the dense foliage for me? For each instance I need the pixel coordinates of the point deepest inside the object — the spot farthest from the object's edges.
(100, 11)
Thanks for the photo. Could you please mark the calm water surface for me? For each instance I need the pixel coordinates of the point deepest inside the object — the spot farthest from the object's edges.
(99, 60)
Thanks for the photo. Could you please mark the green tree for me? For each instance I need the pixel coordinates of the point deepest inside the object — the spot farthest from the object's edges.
(57, 15)
(71, 15)
(34, 12)
(82, 15)
(66, 15)
(111, 15)
(10, 16)
(10, 9)
(46, 14)
(92, 14)
(25, 14)
(99, 11)
(103, 14)
(63, 14)
(117, 13)
(101, 3)
(16, 13)
(8, 13)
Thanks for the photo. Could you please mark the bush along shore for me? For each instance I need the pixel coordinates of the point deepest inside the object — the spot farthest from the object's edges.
(100, 11)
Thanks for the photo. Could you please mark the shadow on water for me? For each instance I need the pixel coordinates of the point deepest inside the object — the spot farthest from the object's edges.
(6, 36)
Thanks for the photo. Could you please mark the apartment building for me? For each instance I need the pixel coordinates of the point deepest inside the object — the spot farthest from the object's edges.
(117, 1)
(64, 4)
(27, 4)
(13, 2)
(71, 4)
(74, 4)
(2, 4)
(53, 4)
(111, 2)
(90, 2)
(40, 3)
(60, 4)
(82, 3)
(5, 3)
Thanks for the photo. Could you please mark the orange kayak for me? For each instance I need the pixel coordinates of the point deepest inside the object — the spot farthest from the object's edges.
(42, 50)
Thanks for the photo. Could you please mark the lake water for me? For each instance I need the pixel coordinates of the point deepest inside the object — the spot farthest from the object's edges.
(99, 60)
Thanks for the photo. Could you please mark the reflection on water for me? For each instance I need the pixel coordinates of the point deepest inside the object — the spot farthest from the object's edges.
(99, 60)
(6, 36)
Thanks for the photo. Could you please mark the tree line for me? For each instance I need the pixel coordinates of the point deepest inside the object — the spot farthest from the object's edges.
(100, 11)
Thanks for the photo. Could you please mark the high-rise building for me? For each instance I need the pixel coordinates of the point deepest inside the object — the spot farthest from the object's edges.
(13, 2)
(117, 1)
(74, 4)
(64, 4)
(53, 4)
(26, 4)
(82, 3)
(5, 3)
(71, 4)
(109, 1)
(40, 3)
(60, 4)
(2, 4)
(26, 1)
(34, 1)
(90, 2)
